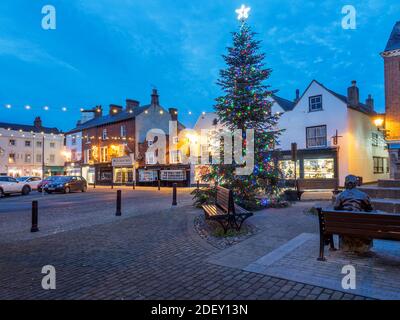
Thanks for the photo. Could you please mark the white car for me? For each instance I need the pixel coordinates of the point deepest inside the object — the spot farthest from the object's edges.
(33, 182)
(10, 185)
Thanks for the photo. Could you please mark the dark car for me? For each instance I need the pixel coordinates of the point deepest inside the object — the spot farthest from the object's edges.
(44, 182)
(66, 185)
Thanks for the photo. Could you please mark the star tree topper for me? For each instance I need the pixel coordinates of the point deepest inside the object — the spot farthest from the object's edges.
(243, 13)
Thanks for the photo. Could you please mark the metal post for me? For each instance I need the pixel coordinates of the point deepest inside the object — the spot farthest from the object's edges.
(94, 185)
(198, 185)
(174, 194)
(159, 185)
(35, 216)
(134, 185)
(119, 203)
(112, 184)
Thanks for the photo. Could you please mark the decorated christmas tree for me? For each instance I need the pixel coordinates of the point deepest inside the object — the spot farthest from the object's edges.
(245, 105)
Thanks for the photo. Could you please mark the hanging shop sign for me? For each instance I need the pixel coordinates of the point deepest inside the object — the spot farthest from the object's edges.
(173, 175)
(147, 175)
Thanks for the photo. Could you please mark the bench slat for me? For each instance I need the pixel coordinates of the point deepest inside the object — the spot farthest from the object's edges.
(369, 234)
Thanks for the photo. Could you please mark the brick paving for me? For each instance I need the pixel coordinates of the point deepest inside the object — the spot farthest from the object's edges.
(155, 255)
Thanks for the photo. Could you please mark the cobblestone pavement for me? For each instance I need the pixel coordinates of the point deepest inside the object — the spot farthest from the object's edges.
(155, 255)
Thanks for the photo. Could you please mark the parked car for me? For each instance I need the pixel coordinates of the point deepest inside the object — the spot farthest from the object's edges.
(66, 185)
(44, 182)
(9, 185)
(33, 182)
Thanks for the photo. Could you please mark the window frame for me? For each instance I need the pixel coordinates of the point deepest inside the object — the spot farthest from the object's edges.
(314, 103)
(319, 146)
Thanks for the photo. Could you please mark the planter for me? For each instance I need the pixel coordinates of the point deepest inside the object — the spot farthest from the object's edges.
(291, 195)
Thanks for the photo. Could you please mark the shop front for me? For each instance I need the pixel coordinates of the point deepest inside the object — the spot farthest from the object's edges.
(124, 172)
(104, 174)
(167, 175)
(89, 173)
(73, 169)
(311, 164)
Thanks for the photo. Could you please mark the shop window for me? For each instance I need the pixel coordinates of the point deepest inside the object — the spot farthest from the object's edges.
(28, 158)
(287, 168)
(316, 137)
(379, 165)
(315, 103)
(104, 135)
(27, 143)
(319, 168)
(12, 143)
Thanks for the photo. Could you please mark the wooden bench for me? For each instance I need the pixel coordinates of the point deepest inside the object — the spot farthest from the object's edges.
(225, 211)
(303, 185)
(362, 224)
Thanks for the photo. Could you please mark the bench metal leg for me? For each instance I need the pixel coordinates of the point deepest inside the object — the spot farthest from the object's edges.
(331, 243)
(321, 248)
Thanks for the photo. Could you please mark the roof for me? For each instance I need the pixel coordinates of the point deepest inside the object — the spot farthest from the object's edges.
(285, 104)
(108, 119)
(28, 128)
(362, 107)
(394, 40)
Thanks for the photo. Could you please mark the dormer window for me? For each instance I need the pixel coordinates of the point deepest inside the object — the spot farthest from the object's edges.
(315, 103)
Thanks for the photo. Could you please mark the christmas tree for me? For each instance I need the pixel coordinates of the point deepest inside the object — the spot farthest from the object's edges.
(245, 105)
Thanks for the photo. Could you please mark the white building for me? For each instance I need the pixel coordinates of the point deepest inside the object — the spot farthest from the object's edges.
(335, 135)
(25, 150)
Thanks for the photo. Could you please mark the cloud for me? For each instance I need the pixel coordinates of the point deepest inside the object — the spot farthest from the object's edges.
(27, 51)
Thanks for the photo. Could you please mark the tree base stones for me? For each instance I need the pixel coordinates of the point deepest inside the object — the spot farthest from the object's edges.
(213, 233)
(355, 244)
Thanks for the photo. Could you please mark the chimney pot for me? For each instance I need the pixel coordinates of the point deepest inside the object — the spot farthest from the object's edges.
(131, 105)
(155, 98)
(353, 95)
(370, 102)
(174, 114)
(115, 109)
(38, 122)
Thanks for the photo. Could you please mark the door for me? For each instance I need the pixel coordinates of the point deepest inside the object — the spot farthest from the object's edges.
(74, 184)
(14, 186)
(34, 182)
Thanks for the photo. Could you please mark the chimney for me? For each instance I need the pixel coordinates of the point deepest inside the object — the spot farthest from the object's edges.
(98, 111)
(297, 95)
(353, 95)
(131, 105)
(174, 114)
(37, 123)
(115, 109)
(155, 99)
(370, 103)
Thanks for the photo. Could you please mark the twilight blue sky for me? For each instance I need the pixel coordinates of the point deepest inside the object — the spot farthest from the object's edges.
(104, 51)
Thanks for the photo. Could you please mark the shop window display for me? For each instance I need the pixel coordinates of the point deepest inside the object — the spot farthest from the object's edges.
(319, 169)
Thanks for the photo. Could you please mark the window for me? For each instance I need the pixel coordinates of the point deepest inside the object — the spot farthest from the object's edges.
(73, 140)
(387, 165)
(11, 158)
(375, 139)
(38, 158)
(175, 140)
(123, 131)
(315, 103)
(176, 156)
(104, 154)
(319, 168)
(378, 165)
(316, 137)
(52, 145)
(27, 143)
(150, 158)
(38, 144)
(52, 158)
(104, 136)
(28, 158)
(12, 142)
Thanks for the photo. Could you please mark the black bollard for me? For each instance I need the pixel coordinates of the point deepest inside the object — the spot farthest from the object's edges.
(198, 185)
(134, 185)
(119, 203)
(159, 185)
(94, 185)
(174, 194)
(112, 185)
(35, 216)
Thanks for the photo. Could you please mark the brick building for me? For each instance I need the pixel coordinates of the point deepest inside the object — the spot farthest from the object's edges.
(391, 57)
(116, 148)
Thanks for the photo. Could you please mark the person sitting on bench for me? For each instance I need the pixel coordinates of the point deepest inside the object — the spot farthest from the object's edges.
(353, 199)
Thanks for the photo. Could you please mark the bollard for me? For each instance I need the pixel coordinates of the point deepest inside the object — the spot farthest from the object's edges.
(198, 185)
(112, 185)
(119, 203)
(174, 202)
(35, 216)
(94, 185)
(159, 185)
(134, 185)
